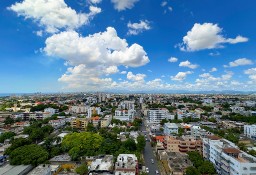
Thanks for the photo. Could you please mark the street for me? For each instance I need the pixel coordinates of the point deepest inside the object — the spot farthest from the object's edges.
(148, 154)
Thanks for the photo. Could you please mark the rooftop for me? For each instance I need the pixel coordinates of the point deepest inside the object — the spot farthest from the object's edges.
(61, 158)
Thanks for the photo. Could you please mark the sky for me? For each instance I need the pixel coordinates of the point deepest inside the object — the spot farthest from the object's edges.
(127, 45)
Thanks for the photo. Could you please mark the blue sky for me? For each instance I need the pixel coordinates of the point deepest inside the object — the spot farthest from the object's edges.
(128, 45)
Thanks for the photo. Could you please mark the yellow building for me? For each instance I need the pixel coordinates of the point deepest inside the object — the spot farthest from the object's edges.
(79, 123)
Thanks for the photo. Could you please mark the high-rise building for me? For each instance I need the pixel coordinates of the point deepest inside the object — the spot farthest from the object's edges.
(155, 116)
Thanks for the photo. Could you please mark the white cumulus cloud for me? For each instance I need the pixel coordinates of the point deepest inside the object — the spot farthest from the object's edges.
(188, 64)
(240, 62)
(214, 69)
(180, 76)
(53, 14)
(103, 48)
(123, 4)
(111, 70)
(136, 28)
(207, 36)
(252, 73)
(172, 59)
(135, 77)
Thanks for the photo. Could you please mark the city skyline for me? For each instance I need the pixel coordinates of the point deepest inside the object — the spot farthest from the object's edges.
(128, 45)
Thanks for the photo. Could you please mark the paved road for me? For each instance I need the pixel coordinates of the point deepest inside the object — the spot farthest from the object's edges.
(148, 155)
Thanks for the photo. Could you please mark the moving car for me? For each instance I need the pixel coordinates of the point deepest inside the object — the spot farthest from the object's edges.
(152, 160)
(157, 172)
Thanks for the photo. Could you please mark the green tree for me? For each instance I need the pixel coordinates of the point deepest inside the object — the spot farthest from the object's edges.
(82, 169)
(16, 143)
(163, 121)
(82, 144)
(130, 144)
(206, 168)
(6, 135)
(192, 171)
(180, 131)
(90, 127)
(141, 143)
(28, 154)
(8, 120)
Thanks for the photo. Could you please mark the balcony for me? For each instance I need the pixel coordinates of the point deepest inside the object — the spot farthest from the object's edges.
(183, 150)
(183, 146)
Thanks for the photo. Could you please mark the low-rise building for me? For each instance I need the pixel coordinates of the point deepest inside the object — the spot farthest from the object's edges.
(126, 164)
(41, 170)
(79, 123)
(57, 123)
(182, 144)
(50, 110)
(102, 165)
(171, 128)
(105, 122)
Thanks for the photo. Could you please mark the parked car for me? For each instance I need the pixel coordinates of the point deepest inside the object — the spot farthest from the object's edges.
(157, 172)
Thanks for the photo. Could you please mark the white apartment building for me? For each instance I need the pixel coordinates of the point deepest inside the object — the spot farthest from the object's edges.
(50, 110)
(155, 116)
(57, 123)
(227, 158)
(198, 132)
(237, 109)
(126, 105)
(171, 128)
(79, 109)
(93, 110)
(126, 164)
(250, 131)
(124, 115)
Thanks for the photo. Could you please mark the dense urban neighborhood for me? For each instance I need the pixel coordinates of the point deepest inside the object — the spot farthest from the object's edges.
(127, 134)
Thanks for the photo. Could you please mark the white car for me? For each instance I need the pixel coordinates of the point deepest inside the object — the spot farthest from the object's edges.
(157, 172)
(147, 170)
(152, 160)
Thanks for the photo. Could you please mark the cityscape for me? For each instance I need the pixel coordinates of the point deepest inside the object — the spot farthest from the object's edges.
(127, 87)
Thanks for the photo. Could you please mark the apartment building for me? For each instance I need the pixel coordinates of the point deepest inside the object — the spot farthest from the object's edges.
(155, 116)
(227, 158)
(105, 122)
(250, 131)
(78, 109)
(171, 128)
(126, 164)
(198, 132)
(79, 123)
(127, 105)
(93, 111)
(182, 144)
(124, 115)
(57, 123)
(50, 110)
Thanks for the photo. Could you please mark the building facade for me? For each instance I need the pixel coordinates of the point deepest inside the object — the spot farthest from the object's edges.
(170, 128)
(227, 158)
(250, 131)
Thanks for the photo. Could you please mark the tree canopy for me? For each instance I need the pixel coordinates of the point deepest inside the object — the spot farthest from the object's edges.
(6, 135)
(80, 144)
(201, 166)
(28, 154)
